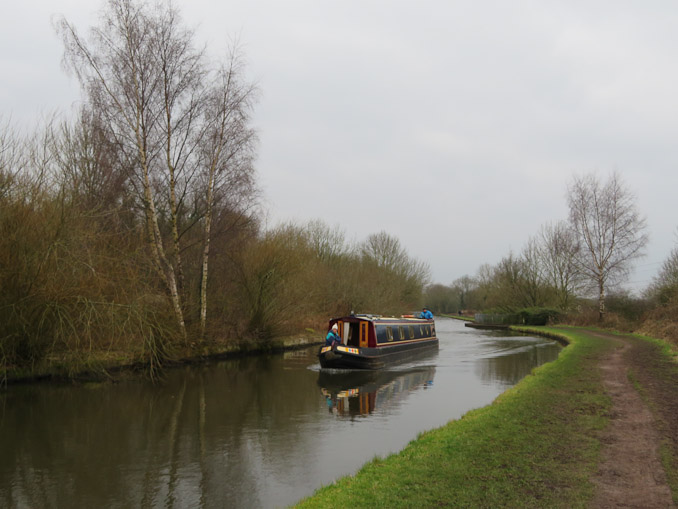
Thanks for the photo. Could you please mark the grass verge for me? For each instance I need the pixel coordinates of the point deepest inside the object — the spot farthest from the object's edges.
(459, 317)
(654, 374)
(535, 446)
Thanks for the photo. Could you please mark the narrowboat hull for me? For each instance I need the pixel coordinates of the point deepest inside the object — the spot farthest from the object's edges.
(344, 357)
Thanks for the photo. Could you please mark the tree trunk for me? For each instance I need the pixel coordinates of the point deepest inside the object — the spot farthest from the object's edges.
(164, 268)
(203, 281)
(206, 251)
(601, 300)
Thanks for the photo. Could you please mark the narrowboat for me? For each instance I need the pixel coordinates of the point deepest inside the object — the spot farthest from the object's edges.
(373, 341)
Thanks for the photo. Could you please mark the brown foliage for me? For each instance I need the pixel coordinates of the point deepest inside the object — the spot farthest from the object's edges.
(662, 323)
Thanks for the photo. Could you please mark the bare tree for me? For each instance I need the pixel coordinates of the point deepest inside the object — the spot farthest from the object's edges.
(609, 228)
(407, 276)
(507, 283)
(387, 253)
(12, 160)
(328, 243)
(464, 286)
(533, 282)
(558, 248)
(120, 71)
(442, 298)
(180, 98)
(226, 154)
(664, 287)
(180, 128)
(85, 161)
(484, 285)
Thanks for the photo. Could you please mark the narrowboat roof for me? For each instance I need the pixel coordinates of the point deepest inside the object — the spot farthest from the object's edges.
(380, 319)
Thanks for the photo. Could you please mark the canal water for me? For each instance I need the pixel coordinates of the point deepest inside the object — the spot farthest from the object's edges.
(245, 433)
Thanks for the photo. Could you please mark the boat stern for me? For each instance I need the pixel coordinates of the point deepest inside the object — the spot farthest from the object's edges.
(340, 356)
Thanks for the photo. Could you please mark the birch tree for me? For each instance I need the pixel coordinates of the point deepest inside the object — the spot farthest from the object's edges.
(226, 155)
(609, 228)
(179, 125)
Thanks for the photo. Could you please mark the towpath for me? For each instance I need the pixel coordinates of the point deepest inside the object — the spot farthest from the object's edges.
(630, 473)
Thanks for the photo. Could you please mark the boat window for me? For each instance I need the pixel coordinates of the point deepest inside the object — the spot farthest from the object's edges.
(421, 331)
(389, 333)
(401, 332)
(411, 327)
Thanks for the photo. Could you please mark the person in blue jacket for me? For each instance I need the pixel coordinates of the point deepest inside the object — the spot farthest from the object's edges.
(426, 313)
(333, 336)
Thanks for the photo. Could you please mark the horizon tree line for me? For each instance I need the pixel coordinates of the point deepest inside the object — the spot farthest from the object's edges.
(587, 254)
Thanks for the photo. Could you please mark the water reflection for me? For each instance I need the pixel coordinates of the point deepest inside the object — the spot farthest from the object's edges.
(205, 432)
(251, 432)
(361, 392)
(511, 359)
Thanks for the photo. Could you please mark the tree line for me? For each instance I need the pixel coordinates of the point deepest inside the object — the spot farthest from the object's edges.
(83, 268)
(570, 264)
(136, 226)
(134, 230)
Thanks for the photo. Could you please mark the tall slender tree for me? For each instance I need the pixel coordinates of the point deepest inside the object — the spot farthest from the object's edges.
(609, 228)
(226, 154)
(180, 128)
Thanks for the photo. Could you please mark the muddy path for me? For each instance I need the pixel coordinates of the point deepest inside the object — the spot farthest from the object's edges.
(631, 473)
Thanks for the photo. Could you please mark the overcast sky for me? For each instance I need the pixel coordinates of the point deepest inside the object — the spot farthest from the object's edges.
(454, 126)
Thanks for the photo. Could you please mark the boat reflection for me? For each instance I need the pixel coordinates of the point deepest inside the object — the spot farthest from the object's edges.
(360, 392)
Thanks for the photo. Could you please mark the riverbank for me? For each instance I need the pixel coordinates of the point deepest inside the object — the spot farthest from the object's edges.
(543, 443)
(95, 365)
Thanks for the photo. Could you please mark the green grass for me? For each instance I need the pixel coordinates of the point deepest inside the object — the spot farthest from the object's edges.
(459, 317)
(664, 371)
(535, 446)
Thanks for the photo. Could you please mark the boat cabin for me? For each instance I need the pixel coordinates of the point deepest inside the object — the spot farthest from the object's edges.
(373, 331)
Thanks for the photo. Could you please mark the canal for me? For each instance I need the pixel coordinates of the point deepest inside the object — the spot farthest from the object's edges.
(244, 433)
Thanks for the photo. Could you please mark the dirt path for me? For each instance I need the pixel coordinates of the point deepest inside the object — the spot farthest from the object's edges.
(630, 473)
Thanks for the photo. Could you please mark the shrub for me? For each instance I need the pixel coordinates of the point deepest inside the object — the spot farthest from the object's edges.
(538, 316)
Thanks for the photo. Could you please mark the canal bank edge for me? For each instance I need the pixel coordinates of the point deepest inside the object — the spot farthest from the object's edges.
(108, 366)
(537, 445)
